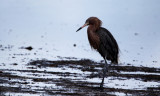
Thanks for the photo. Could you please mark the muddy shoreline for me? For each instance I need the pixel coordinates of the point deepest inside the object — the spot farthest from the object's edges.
(74, 83)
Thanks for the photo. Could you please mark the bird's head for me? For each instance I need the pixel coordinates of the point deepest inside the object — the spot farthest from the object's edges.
(92, 21)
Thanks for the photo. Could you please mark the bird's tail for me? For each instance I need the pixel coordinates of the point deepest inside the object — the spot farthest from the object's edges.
(115, 60)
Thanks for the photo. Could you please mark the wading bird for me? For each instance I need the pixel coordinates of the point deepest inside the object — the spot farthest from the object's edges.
(102, 41)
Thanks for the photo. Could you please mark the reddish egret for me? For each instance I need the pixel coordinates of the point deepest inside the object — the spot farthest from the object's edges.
(102, 40)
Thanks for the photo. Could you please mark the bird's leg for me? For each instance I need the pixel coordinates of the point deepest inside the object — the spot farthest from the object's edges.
(105, 69)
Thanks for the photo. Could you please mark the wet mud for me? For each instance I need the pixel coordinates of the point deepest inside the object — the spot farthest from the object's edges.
(77, 78)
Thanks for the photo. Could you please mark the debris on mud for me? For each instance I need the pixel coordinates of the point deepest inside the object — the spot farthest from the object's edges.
(27, 48)
(8, 47)
(136, 34)
(74, 45)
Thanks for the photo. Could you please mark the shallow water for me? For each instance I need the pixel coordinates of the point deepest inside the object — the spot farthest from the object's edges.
(72, 76)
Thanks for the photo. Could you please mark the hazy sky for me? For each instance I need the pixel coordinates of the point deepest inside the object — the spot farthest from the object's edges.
(52, 24)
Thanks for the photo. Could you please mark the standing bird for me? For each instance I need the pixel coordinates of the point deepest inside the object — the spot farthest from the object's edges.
(102, 41)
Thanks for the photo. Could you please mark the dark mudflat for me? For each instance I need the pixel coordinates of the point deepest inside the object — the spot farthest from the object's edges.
(36, 82)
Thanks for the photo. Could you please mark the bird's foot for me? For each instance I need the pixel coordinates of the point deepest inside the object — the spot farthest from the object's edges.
(101, 87)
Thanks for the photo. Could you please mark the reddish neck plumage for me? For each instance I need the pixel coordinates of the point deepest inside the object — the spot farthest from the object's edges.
(93, 37)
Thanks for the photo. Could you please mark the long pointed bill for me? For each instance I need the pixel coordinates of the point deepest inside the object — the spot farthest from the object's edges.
(82, 27)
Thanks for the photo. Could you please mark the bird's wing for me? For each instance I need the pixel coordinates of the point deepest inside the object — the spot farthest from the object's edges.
(108, 45)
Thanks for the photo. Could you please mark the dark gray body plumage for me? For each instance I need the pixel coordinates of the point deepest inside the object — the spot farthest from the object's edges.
(108, 47)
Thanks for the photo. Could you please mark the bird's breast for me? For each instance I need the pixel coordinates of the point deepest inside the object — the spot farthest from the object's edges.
(93, 39)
